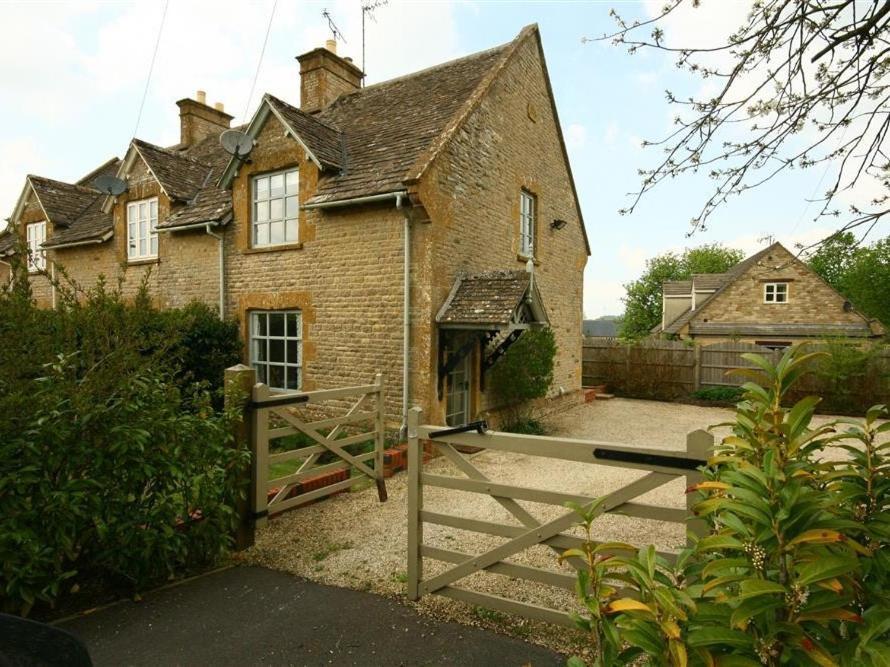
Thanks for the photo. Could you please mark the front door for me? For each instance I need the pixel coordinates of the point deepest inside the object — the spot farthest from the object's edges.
(457, 403)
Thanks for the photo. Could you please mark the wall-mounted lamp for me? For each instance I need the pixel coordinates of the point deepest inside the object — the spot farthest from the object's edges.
(558, 224)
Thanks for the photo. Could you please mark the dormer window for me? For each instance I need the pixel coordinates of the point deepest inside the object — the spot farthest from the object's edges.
(36, 235)
(275, 206)
(142, 229)
(775, 293)
(527, 205)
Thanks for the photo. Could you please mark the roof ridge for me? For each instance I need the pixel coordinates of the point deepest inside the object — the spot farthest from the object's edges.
(83, 188)
(107, 163)
(313, 117)
(425, 70)
(172, 153)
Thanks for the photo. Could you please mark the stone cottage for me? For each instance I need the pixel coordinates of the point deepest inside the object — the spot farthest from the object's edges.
(771, 299)
(415, 227)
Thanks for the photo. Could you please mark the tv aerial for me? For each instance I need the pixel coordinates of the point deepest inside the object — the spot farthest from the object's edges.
(110, 185)
(236, 143)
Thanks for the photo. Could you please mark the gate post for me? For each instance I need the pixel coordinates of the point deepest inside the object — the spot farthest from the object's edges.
(238, 383)
(415, 503)
(260, 460)
(379, 437)
(698, 446)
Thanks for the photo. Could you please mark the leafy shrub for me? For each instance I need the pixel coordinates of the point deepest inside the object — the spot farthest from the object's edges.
(113, 467)
(524, 373)
(719, 394)
(793, 569)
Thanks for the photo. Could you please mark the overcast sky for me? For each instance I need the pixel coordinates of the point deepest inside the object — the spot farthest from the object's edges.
(73, 75)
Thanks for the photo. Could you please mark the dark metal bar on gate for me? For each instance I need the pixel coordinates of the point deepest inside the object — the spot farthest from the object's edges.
(680, 462)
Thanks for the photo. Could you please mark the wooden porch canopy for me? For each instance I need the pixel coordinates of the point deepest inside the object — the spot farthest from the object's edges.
(497, 306)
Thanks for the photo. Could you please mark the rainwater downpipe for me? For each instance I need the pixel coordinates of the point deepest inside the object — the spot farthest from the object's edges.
(222, 272)
(406, 321)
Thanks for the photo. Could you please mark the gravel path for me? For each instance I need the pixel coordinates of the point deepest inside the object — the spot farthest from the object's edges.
(352, 540)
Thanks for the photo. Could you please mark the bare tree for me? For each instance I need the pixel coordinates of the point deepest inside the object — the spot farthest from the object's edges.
(800, 83)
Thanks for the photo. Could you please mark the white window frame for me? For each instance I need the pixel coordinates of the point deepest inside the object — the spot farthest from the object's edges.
(771, 292)
(264, 345)
(35, 233)
(142, 242)
(528, 205)
(267, 223)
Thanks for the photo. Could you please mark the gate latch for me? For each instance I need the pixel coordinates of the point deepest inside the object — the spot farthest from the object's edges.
(480, 427)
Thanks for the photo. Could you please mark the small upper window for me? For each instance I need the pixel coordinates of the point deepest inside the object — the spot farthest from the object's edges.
(527, 215)
(36, 233)
(142, 229)
(775, 293)
(275, 207)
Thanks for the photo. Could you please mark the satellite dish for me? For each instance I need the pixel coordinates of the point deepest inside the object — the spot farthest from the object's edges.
(236, 143)
(110, 185)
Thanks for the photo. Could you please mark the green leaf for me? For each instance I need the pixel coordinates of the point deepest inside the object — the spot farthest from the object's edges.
(754, 587)
(752, 607)
(826, 567)
(718, 637)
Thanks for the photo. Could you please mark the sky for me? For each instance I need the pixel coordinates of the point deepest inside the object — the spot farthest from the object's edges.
(74, 75)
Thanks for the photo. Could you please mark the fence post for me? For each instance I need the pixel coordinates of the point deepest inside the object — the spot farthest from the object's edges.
(699, 445)
(239, 381)
(696, 367)
(415, 503)
(260, 462)
(379, 437)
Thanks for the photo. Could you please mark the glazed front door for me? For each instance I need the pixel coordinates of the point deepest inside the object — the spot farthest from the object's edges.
(457, 404)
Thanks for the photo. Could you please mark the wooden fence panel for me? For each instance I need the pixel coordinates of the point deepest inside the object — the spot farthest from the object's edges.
(666, 370)
(719, 358)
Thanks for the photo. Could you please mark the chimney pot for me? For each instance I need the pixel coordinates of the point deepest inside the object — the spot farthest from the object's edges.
(197, 120)
(324, 76)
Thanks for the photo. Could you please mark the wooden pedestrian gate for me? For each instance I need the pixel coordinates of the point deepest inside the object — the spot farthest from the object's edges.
(662, 466)
(359, 417)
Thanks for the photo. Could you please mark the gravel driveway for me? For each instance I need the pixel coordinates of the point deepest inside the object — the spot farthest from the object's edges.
(352, 540)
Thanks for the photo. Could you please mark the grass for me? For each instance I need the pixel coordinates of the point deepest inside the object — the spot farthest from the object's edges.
(488, 615)
(330, 549)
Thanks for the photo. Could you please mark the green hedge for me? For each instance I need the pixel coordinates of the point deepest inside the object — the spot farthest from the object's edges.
(116, 462)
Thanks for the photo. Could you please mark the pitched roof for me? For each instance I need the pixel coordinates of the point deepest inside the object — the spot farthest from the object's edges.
(72, 208)
(62, 202)
(709, 281)
(7, 243)
(677, 287)
(489, 300)
(180, 175)
(210, 204)
(600, 328)
(324, 142)
(390, 125)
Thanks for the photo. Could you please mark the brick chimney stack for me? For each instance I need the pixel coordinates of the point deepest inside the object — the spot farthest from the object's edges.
(324, 76)
(198, 120)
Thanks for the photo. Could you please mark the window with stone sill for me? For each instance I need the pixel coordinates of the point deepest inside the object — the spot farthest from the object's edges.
(527, 213)
(36, 236)
(275, 206)
(775, 293)
(276, 348)
(142, 229)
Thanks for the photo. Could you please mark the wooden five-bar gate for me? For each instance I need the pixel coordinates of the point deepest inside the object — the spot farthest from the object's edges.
(662, 466)
(323, 423)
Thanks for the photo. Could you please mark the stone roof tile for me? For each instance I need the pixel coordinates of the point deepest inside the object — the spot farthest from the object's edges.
(486, 299)
(388, 126)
